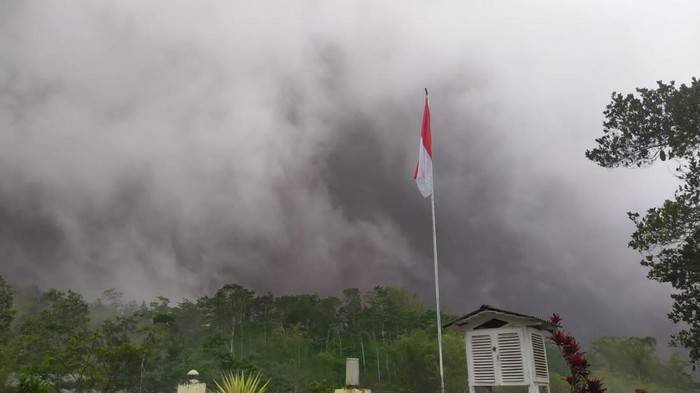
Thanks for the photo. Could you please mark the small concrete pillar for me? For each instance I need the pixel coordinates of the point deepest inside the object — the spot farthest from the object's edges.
(192, 385)
(352, 377)
(352, 372)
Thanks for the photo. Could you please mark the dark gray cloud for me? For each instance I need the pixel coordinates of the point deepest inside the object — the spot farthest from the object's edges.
(167, 148)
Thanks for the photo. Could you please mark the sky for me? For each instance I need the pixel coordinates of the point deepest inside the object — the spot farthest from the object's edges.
(170, 147)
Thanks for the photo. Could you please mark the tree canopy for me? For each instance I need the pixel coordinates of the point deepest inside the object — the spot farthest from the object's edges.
(59, 341)
(657, 125)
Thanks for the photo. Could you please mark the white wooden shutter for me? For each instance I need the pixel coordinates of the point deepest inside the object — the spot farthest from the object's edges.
(482, 365)
(510, 358)
(539, 355)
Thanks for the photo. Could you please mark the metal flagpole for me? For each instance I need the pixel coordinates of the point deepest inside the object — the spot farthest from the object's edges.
(437, 281)
(437, 294)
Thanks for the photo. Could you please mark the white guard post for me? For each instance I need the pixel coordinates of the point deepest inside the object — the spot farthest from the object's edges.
(504, 349)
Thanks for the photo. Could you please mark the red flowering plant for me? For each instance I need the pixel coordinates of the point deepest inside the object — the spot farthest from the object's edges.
(580, 379)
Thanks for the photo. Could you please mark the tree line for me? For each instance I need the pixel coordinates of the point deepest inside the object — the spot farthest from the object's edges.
(52, 340)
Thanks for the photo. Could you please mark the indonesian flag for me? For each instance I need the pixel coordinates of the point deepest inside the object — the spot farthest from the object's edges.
(424, 168)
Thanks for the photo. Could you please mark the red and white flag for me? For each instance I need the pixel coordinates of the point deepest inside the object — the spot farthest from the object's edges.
(424, 168)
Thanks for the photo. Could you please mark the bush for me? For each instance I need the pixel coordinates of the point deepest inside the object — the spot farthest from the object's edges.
(32, 384)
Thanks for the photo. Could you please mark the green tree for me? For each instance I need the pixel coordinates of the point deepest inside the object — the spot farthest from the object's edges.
(675, 373)
(118, 355)
(634, 361)
(165, 357)
(289, 349)
(415, 355)
(227, 310)
(663, 124)
(7, 313)
(633, 356)
(57, 344)
(453, 348)
(6, 310)
(262, 308)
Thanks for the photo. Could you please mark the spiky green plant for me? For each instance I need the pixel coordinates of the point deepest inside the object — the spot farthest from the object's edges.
(242, 383)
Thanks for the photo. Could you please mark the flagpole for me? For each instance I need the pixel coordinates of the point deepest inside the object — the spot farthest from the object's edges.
(437, 281)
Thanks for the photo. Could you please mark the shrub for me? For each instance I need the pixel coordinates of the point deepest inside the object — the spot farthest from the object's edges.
(32, 384)
(241, 383)
(580, 379)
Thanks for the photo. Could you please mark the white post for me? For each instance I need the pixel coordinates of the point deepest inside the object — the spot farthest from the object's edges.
(437, 294)
(352, 372)
(437, 281)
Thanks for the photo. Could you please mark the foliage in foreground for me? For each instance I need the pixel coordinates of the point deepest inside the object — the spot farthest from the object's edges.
(579, 377)
(241, 382)
(32, 384)
(663, 124)
(299, 342)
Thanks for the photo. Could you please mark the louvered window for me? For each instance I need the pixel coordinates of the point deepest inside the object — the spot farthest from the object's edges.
(482, 361)
(540, 357)
(506, 357)
(510, 358)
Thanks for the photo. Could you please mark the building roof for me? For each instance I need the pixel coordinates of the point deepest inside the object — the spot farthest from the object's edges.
(485, 309)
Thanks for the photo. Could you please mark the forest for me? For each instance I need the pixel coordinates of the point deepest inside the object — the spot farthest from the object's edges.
(57, 340)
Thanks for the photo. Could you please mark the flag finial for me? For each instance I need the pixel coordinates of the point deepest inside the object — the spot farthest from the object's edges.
(426, 92)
